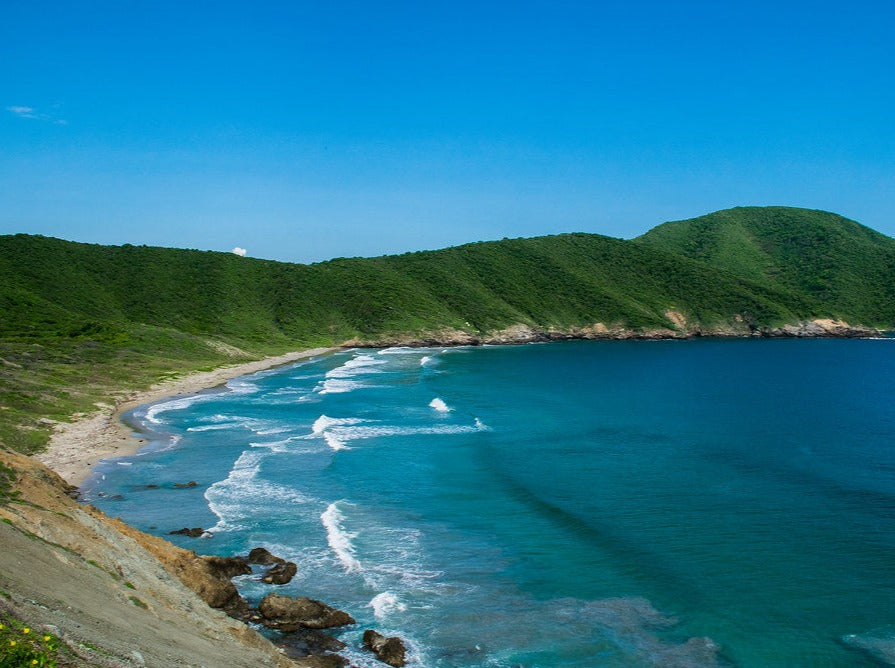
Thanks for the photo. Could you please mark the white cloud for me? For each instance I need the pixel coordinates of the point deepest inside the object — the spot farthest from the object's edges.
(30, 112)
(24, 112)
(239, 251)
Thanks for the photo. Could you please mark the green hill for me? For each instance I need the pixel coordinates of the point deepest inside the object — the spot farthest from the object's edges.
(80, 320)
(841, 267)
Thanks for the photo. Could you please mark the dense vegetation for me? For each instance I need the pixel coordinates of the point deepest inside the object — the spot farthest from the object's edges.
(835, 264)
(77, 320)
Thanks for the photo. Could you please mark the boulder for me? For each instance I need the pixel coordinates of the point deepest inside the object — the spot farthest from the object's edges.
(286, 613)
(260, 555)
(210, 577)
(280, 574)
(227, 567)
(305, 642)
(195, 532)
(388, 650)
(182, 485)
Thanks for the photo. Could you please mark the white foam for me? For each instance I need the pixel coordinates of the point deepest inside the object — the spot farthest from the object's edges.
(153, 412)
(339, 539)
(385, 604)
(334, 442)
(237, 499)
(217, 417)
(338, 386)
(260, 427)
(215, 427)
(481, 426)
(439, 405)
(425, 360)
(398, 350)
(324, 422)
(242, 386)
(327, 427)
(360, 364)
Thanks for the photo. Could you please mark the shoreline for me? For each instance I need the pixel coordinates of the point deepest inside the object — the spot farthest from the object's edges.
(76, 447)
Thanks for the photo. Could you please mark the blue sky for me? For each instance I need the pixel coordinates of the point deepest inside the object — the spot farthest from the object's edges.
(305, 131)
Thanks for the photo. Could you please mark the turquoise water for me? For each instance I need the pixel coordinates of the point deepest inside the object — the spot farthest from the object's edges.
(693, 503)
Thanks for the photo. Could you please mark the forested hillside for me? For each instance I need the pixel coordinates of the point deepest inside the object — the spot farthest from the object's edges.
(79, 320)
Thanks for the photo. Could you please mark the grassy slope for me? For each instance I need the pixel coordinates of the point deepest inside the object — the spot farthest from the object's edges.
(842, 268)
(79, 320)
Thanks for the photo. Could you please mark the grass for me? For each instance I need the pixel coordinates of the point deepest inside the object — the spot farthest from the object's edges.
(22, 646)
(8, 494)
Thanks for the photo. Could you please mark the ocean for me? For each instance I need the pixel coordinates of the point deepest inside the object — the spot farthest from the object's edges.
(669, 503)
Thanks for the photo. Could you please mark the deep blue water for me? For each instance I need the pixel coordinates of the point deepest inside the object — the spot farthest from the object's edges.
(574, 504)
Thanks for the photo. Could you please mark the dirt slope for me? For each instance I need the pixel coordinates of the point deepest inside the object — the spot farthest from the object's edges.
(104, 586)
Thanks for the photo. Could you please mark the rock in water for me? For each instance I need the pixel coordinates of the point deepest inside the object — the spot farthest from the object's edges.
(183, 485)
(305, 642)
(228, 567)
(388, 650)
(286, 613)
(280, 574)
(260, 555)
(195, 532)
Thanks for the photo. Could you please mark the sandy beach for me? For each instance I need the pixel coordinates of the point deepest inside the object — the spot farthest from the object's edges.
(76, 447)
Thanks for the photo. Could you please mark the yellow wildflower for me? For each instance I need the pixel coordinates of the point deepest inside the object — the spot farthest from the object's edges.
(47, 638)
(12, 643)
(33, 662)
(26, 630)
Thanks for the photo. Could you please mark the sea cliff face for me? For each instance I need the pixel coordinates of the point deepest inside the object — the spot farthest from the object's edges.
(114, 595)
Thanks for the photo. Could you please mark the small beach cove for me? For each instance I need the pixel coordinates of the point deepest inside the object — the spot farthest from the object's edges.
(77, 446)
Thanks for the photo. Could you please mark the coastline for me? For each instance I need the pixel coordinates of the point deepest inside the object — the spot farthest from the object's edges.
(76, 447)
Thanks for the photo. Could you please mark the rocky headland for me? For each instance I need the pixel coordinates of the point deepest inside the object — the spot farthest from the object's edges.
(116, 596)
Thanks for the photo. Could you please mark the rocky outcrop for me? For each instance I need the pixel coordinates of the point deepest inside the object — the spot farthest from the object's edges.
(286, 613)
(195, 532)
(280, 574)
(227, 567)
(388, 650)
(281, 571)
(308, 641)
(124, 591)
(262, 556)
(821, 328)
(680, 328)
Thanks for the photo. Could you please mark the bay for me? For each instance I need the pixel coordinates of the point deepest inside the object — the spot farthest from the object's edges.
(673, 503)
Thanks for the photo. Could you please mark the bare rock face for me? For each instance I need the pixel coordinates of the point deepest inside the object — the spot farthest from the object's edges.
(286, 614)
(388, 650)
(280, 574)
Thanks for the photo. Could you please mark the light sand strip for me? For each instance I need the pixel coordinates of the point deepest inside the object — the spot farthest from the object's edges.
(76, 447)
